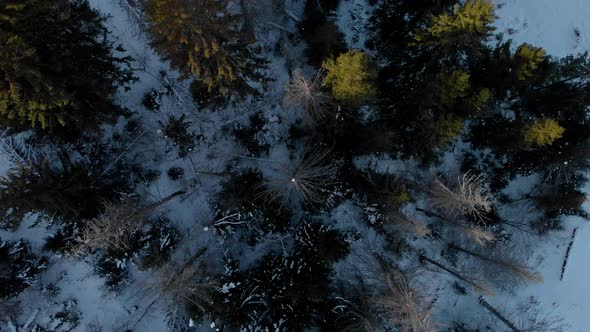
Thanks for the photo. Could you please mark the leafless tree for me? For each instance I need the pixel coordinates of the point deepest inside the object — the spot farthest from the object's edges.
(475, 233)
(467, 197)
(401, 304)
(300, 91)
(477, 286)
(400, 220)
(184, 284)
(112, 229)
(303, 180)
(358, 317)
(514, 267)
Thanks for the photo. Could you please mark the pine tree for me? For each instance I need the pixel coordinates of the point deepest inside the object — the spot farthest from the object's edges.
(56, 66)
(543, 132)
(200, 37)
(351, 77)
(527, 59)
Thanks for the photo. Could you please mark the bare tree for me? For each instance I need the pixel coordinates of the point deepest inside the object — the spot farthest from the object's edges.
(304, 180)
(475, 233)
(400, 303)
(358, 317)
(112, 229)
(406, 223)
(184, 285)
(514, 267)
(300, 91)
(477, 286)
(467, 197)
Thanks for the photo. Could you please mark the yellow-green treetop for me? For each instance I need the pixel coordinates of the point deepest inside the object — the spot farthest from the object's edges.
(351, 77)
(528, 58)
(200, 37)
(543, 132)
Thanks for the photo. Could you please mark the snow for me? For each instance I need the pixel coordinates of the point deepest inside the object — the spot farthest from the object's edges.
(560, 26)
(553, 25)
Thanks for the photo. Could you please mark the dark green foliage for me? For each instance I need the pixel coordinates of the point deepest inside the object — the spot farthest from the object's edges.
(241, 190)
(247, 135)
(57, 70)
(283, 292)
(19, 267)
(175, 173)
(157, 245)
(203, 98)
(151, 100)
(68, 194)
(113, 270)
(177, 130)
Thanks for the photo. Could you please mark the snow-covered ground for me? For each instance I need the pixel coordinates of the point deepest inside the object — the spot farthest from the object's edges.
(559, 26)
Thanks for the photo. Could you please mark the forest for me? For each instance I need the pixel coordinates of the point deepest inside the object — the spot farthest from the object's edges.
(283, 165)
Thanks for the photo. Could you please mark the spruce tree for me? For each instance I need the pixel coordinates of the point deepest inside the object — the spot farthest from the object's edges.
(202, 38)
(57, 67)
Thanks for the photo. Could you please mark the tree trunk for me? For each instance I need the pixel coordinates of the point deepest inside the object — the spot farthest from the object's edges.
(497, 314)
(457, 275)
(521, 270)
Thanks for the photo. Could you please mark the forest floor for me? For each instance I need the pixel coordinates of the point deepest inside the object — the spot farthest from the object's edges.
(560, 27)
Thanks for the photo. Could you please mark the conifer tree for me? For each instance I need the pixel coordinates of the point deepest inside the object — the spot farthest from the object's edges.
(65, 194)
(448, 88)
(351, 77)
(543, 133)
(202, 38)
(527, 59)
(56, 66)
(19, 267)
(474, 18)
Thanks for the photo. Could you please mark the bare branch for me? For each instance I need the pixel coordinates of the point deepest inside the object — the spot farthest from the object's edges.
(304, 180)
(300, 91)
(467, 197)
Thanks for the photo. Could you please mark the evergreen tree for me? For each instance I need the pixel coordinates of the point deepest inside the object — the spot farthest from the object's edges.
(527, 59)
(19, 267)
(56, 66)
(65, 194)
(448, 88)
(351, 77)
(468, 23)
(202, 38)
(283, 293)
(542, 133)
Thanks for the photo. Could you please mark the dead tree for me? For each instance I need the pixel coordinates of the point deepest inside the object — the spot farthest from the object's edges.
(567, 253)
(515, 268)
(111, 230)
(399, 303)
(477, 234)
(300, 91)
(303, 180)
(467, 197)
(477, 286)
(497, 314)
